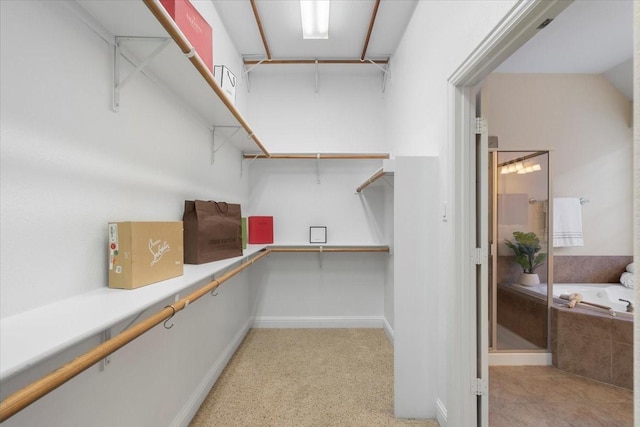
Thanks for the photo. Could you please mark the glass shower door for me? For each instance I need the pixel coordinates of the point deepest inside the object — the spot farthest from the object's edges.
(520, 269)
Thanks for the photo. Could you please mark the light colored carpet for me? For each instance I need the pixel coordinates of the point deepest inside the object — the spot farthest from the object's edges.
(306, 377)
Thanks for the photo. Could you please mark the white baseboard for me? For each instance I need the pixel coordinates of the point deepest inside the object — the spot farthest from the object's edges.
(388, 330)
(318, 322)
(441, 413)
(192, 405)
(519, 359)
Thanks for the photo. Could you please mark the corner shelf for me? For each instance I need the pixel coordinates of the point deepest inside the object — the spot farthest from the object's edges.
(182, 73)
(387, 170)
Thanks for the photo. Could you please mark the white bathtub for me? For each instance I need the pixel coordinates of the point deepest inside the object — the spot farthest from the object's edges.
(599, 293)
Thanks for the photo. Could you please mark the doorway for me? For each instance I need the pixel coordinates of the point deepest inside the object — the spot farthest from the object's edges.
(467, 365)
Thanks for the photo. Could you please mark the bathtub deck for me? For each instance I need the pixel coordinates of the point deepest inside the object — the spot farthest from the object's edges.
(545, 396)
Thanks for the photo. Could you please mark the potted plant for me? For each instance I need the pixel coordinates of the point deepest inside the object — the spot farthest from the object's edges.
(527, 251)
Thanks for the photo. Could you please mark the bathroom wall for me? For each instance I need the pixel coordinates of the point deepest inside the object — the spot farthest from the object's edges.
(584, 121)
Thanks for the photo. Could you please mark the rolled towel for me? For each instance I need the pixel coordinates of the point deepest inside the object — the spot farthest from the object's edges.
(630, 268)
(627, 279)
(574, 299)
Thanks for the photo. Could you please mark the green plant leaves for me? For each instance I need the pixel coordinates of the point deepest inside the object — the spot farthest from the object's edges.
(526, 248)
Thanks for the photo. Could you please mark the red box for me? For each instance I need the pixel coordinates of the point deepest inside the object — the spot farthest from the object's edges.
(260, 229)
(194, 27)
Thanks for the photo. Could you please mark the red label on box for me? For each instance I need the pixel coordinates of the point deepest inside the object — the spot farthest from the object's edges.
(260, 229)
(194, 27)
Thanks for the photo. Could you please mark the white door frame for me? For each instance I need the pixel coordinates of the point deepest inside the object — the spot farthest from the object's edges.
(518, 26)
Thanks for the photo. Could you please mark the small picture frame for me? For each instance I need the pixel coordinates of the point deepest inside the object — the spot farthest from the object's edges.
(317, 234)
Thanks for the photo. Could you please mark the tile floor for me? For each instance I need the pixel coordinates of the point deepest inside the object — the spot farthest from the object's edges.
(539, 396)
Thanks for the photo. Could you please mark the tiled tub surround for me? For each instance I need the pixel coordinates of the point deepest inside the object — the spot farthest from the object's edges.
(569, 269)
(523, 313)
(589, 269)
(593, 345)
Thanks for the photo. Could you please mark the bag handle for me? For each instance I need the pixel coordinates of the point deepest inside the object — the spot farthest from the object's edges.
(226, 205)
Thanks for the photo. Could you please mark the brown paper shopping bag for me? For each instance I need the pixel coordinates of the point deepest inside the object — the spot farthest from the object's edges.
(212, 231)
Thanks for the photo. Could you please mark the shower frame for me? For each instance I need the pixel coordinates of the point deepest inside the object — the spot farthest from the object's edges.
(494, 168)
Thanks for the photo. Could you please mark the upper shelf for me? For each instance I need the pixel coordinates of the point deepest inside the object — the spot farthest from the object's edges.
(188, 77)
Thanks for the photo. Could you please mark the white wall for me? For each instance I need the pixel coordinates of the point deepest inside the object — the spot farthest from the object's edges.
(416, 286)
(440, 36)
(302, 290)
(583, 120)
(68, 166)
(297, 197)
(345, 115)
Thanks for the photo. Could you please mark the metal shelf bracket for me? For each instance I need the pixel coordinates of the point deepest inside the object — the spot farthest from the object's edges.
(106, 336)
(226, 138)
(318, 169)
(246, 72)
(118, 48)
(317, 77)
(385, 71)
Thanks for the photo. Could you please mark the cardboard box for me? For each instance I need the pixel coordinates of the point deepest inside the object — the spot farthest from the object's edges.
(141, 253)
(194, 27)
(227, 81)
(260, 229)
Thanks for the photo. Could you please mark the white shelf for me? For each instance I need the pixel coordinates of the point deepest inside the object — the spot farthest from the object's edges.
(329, 247)
(30, 337)
(171, 67)
(318, 156)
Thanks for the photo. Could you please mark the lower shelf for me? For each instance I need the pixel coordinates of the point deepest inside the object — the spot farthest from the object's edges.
(329, 248)
(29, 338)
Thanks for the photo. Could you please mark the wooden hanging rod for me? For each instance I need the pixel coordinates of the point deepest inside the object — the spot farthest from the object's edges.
(373, 20)
(373, 178)
(262, 34)
(313, 61)
(329, 249)
(176, 34)
(34, 391)
(321, 156)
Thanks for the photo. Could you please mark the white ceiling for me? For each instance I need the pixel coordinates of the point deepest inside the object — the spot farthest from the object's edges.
(349, 23)
(589, 36)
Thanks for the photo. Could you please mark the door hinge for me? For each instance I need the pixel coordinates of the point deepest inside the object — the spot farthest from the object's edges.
(480, 387)
(481, 126)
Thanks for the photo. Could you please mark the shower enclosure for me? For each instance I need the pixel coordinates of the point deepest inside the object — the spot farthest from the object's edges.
(519, 190)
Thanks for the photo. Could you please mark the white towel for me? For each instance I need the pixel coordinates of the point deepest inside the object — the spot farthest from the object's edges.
(567, 222)
(627, 279)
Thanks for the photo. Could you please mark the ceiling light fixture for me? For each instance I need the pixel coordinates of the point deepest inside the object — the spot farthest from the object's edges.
(315, 19)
